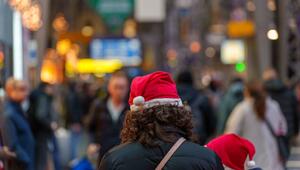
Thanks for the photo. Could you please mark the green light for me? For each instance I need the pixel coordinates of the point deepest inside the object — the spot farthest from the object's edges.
(240, 67)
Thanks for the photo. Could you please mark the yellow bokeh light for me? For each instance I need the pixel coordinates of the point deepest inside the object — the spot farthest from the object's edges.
(63, 46)
(130, 28)
(60, 24)
(32, 17)
(98, 66)
(87, 31)
(23, 4)
(48, 72)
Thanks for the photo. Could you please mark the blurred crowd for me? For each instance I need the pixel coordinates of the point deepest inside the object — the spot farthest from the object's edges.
(56, 127)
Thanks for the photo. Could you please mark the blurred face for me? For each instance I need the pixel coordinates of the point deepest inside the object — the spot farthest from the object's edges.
(18, 92)
(118, 88)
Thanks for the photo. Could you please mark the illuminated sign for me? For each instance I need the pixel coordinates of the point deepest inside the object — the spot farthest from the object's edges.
(87, 66)
(126, 50)
(233, 51)
(239, 29)
(95, 66)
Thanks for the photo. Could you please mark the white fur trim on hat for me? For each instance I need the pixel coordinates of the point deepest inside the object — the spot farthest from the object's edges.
(139, 102)
(251, 164)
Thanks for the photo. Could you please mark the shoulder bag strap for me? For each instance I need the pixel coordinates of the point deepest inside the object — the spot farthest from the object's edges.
(171, 152)
(271, 129)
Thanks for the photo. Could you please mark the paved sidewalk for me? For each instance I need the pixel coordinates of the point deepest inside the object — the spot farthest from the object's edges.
(294, 161)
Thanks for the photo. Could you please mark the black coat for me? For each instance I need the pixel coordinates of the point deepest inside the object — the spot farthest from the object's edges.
(287, 102)
(203, 114)
(134, 156)
(104, 130)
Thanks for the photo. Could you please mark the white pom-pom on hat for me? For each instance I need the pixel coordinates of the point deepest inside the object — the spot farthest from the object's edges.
(139, 100)
(251, 164)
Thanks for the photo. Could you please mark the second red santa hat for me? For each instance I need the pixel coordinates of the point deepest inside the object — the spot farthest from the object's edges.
(233, 151)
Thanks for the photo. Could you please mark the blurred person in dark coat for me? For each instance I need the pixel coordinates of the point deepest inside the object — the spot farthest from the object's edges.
(74, 112)
(105, 119)
(286, 98)
(43, 122)
(233, 96)
(203, 113)
(5, 152)
(17, 134)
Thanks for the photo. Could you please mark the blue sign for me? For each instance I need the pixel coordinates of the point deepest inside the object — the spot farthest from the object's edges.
(124, 49)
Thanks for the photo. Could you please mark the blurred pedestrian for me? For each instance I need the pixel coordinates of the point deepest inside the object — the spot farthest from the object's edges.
(233, 96)
(214, 89)
(204, 118)
(158, 119)
(5, 152)
(74, 112)
(253, 119)
(105, 119)
(17, 134)
(286, 99)
(44, 123)
(235, 152)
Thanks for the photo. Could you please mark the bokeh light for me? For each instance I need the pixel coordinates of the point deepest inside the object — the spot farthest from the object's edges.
(87, 31)
(195, 47)
(273, 34)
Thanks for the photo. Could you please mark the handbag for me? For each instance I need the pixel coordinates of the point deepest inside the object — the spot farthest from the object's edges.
(282, 143)
(171, 152)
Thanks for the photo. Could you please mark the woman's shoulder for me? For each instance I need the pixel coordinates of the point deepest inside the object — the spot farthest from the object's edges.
(200, 155)
(125, 149)
(190, 149)
(243, 107)
(127, 154)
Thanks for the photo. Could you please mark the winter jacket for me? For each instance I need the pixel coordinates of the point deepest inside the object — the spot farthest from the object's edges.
(74, 108)
(104, 130)
(244, 122)
(18, 137)
(233, 96)
(134, 156)
(287, 102)
(41, 113)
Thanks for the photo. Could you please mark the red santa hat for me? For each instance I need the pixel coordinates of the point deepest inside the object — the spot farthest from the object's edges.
(157, 88)
(233, 151)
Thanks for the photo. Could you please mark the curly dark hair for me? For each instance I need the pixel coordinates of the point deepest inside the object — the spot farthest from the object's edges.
(158, 123)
